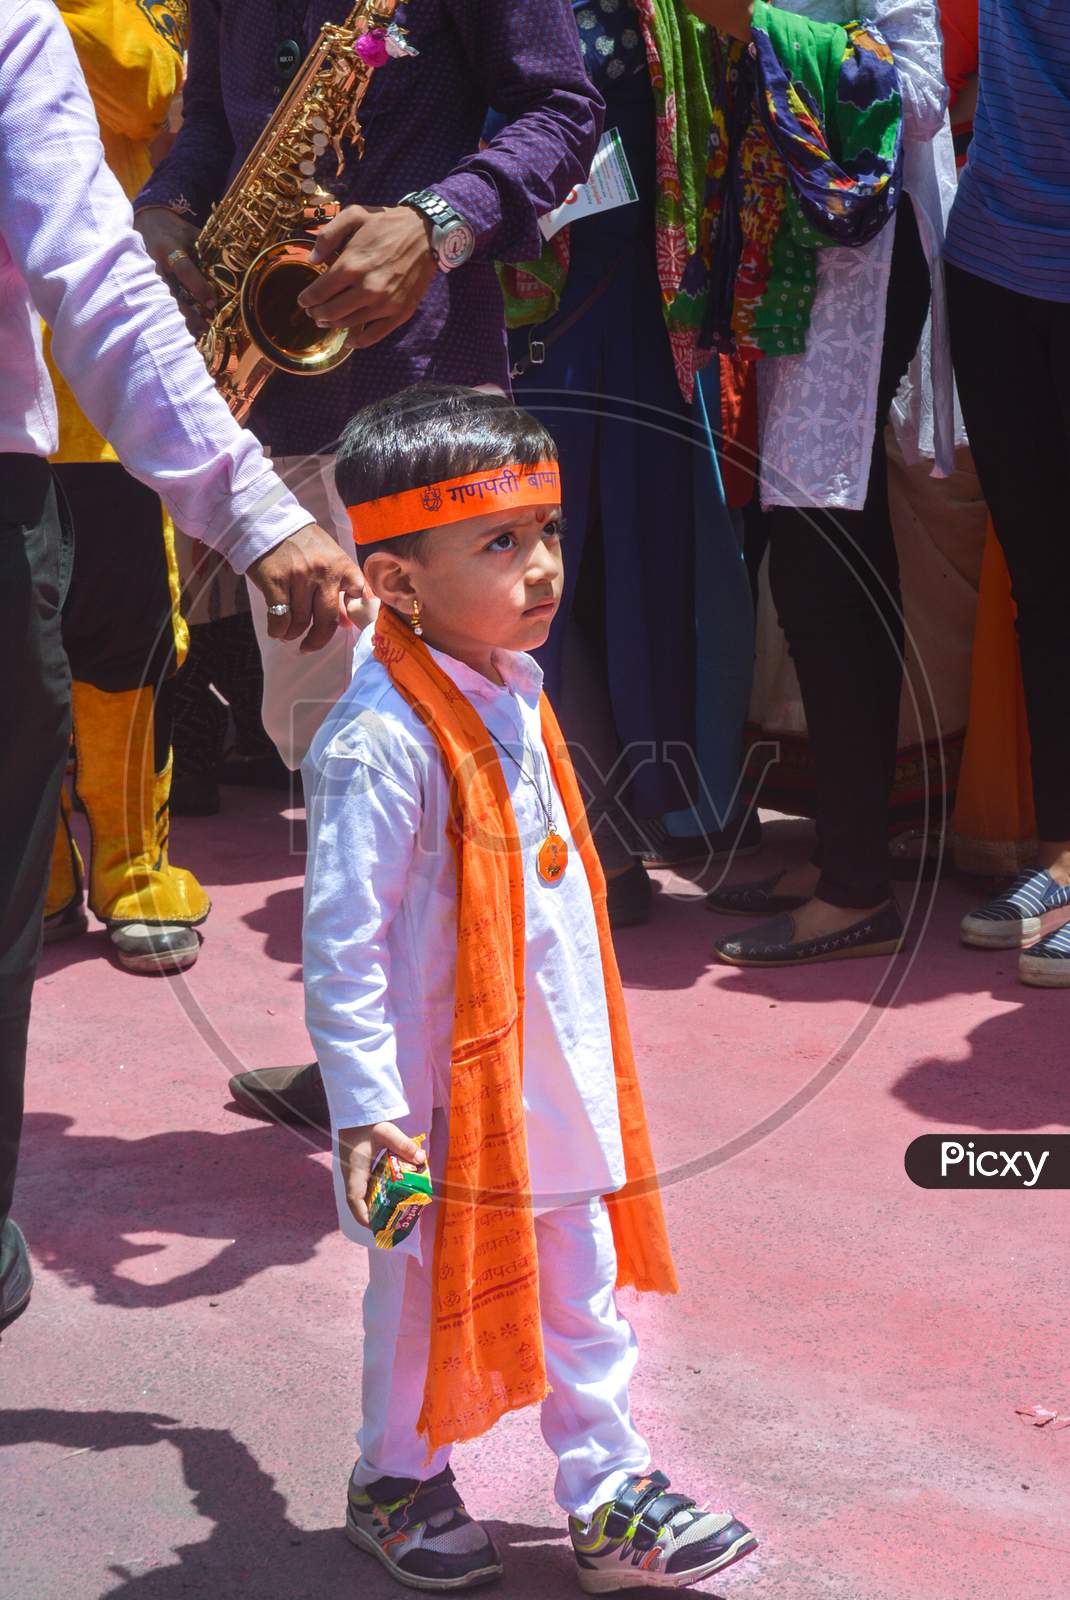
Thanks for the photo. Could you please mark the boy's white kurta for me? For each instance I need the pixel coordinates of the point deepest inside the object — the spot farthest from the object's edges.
(380, 940)
(817, 410)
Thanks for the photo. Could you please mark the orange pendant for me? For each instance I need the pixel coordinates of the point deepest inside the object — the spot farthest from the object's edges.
(553, 858)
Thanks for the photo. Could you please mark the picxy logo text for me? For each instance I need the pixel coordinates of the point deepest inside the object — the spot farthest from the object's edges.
(989, 1161)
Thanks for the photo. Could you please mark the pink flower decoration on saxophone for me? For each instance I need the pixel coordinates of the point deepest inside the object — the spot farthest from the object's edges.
(371, 48)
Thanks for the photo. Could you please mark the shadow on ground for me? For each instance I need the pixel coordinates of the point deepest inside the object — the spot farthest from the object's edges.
(251, 1535)
(190, 1183)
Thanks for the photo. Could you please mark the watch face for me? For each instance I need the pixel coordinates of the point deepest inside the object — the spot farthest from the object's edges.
(457, 241)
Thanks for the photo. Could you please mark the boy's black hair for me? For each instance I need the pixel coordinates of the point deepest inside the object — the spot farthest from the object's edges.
(428, 433)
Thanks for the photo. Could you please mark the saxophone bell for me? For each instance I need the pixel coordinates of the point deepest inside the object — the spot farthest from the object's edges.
(279, 328)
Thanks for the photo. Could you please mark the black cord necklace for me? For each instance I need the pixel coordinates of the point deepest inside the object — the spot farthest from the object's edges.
(553, 852)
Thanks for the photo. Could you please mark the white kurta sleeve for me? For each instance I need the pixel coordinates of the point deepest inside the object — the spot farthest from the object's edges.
(912, 30)
(117, 335)
(362, 826)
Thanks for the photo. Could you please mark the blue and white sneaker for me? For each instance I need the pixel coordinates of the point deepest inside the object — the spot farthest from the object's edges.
(1047, 964)
(1033, 906)
(422, 1533)
(649, 1539)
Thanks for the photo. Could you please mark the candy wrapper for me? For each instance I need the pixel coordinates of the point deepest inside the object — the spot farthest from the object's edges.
(396, 1192)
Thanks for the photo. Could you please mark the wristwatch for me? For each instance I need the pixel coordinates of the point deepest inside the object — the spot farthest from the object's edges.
(452, 238)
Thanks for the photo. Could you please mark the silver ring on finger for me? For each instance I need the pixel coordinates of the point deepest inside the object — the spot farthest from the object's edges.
(280, 610)
(176, 255)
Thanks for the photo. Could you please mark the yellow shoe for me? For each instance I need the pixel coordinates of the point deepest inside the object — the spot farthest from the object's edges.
(150, 907)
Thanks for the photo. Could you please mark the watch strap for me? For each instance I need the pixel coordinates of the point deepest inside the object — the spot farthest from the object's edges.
(446, 225)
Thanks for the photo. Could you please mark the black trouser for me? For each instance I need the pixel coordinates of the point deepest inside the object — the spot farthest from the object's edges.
(834, 577)
(35, 562)
(1012, 361)
(118, 623)
(222, 653)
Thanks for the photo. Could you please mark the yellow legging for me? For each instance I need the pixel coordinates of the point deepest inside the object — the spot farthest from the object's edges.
(125, 637)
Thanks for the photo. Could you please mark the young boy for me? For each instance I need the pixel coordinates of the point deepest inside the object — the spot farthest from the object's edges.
(460, 982)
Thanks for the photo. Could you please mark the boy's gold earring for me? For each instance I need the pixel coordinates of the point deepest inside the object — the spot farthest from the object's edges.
(414, 620)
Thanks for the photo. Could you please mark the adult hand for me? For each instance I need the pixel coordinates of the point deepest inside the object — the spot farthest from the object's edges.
(381, 264)
(166, 233)
(733, 17)
(307, 572)
(358, 1148)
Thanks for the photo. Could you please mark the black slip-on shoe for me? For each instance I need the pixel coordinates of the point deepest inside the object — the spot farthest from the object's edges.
(666, 850)
(755, 899)
(629, 897)
(774, 944)
(284, 1094)
(70, 923)
(16, 1274)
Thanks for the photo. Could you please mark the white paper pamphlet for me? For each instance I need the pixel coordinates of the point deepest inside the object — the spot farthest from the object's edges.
(610, 185)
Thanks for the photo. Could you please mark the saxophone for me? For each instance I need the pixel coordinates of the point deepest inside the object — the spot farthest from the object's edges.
(255, 247)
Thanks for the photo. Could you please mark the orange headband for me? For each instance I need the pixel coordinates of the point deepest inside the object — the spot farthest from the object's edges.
(476, 494)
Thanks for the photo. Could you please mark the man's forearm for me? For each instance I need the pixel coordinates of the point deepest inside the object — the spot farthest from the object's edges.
(526, 58)
(117, 336)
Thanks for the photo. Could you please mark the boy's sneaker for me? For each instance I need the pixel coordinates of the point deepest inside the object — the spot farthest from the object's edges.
(646, 1538)
(421, 1532)
(1047, 964)
(1033, 906)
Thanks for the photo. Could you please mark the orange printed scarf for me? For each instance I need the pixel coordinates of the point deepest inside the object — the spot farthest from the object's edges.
(486, 1354)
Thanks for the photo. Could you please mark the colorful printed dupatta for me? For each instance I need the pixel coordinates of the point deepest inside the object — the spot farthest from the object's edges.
(486, 1354)
(766, 152)
(805, 152)
(677, 51)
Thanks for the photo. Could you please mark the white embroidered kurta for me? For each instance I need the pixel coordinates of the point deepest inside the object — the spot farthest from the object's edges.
(380, 941)
(817, 410)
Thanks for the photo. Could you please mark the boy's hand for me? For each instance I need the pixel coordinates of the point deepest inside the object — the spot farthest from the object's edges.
(358, 1148)
(357, 611)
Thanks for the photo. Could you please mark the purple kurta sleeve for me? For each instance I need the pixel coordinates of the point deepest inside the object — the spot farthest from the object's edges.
(193, 175)
(526, 58)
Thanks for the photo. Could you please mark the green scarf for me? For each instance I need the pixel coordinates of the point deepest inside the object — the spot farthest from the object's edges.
(677, 52)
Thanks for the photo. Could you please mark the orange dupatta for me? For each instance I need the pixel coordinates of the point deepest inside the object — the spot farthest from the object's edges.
(486, 1354)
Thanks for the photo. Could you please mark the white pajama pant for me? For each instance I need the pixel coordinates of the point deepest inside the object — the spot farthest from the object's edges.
(590, 1356)
(299, 690)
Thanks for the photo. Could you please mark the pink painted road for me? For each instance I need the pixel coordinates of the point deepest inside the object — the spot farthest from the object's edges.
(842, 1367)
